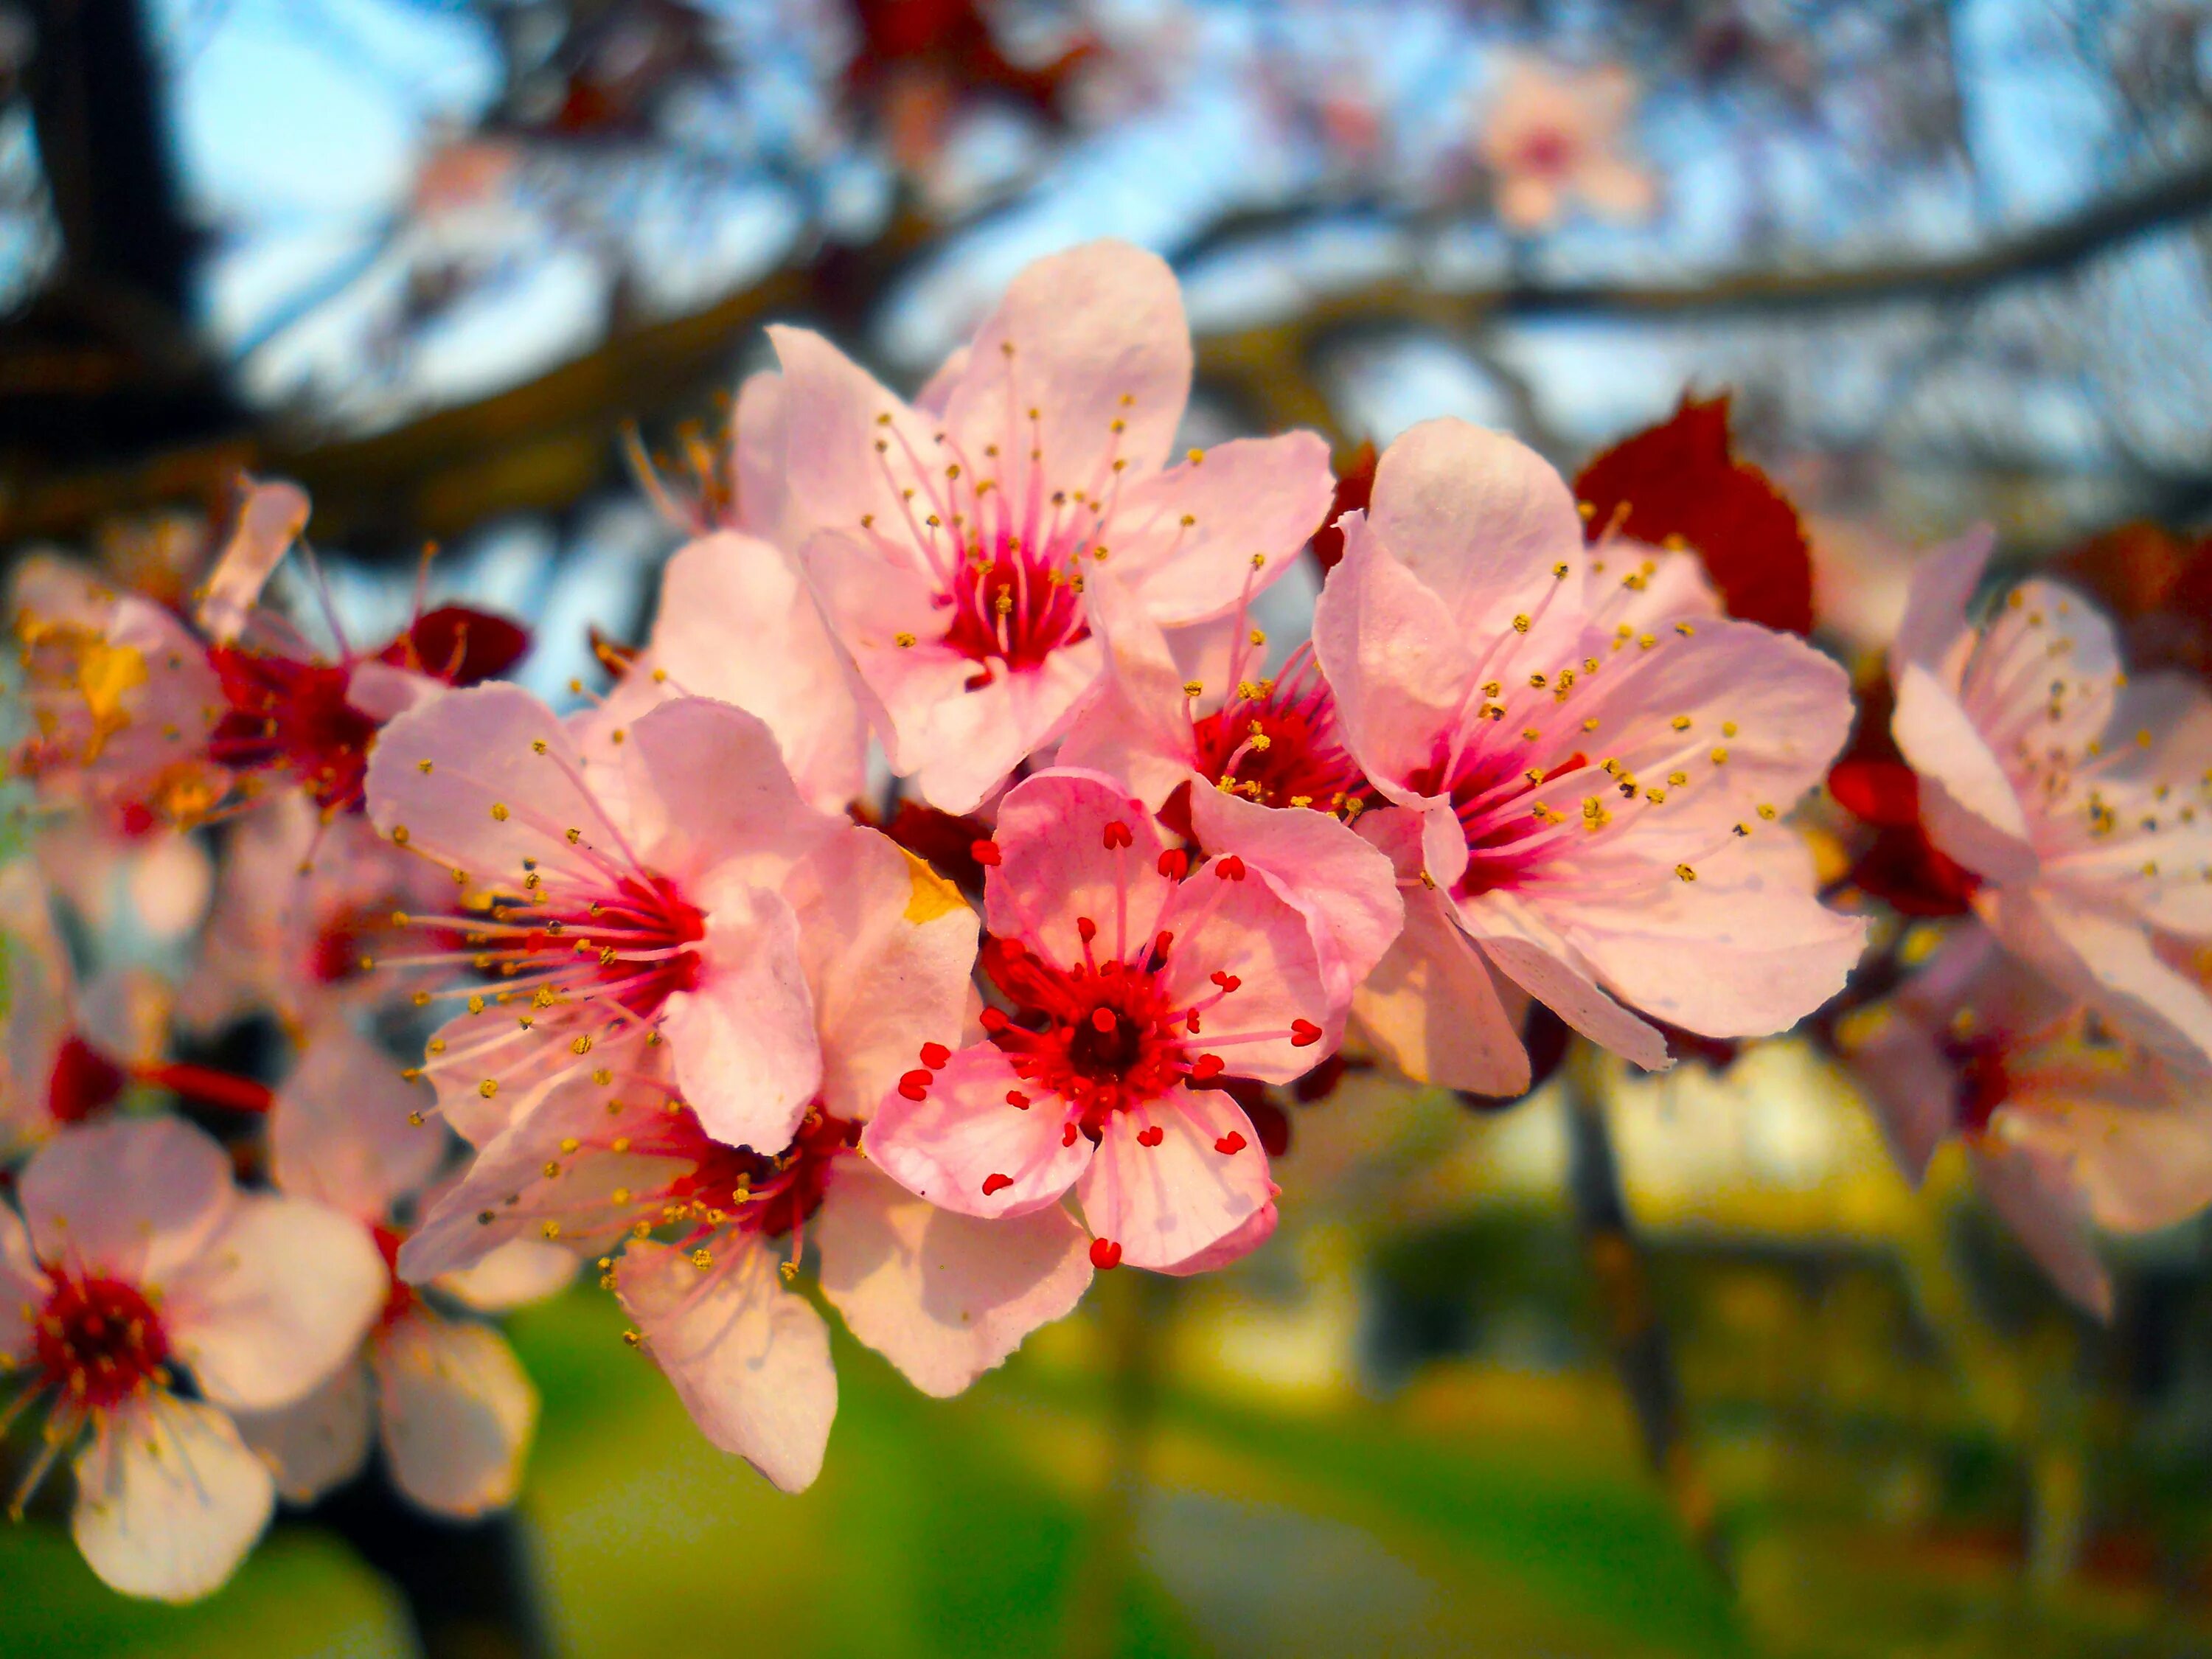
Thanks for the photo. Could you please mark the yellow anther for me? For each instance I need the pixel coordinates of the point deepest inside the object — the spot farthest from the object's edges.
(498, 811)
(1686, 873)
(1521, 623)
(904, 640)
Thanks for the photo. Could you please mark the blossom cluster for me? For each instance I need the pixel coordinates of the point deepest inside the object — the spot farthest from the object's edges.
(694, 1014)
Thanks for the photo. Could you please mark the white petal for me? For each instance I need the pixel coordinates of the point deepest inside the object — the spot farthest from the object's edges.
(168, 1498)
(319, 1442)
(457, 1412)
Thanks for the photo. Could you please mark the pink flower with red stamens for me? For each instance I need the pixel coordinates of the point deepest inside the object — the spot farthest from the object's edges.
(949, 543)
(603, 913)
(140, 1262)
(2067, 1124)
(1263, 773)
(446, 1397)
(603, 1167)
(1131, 981)
(2082, 798)
(1590, 811)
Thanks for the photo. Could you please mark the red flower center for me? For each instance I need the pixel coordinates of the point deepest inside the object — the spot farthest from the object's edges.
(1547, 152)
(98, 1340)
(1276, 742)
(1984, 1083)
(771, 1196)
(1015, 609)
(289, 715)
(400, 1297)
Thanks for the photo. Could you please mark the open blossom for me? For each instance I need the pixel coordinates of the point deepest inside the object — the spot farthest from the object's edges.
(2068, 1124)
(446, 1397)
(603, 1164)
(2081, 799)
(136, 1263)
(1587, 808)
(1551, 135)
(948, 542)
(602, 914)
(1134, 980)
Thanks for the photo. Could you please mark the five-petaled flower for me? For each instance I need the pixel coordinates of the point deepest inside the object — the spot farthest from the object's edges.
(1582, 806)
(140, 1265)
(1131, 980)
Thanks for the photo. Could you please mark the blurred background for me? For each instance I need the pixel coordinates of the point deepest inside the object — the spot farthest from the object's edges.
(1662, 1367)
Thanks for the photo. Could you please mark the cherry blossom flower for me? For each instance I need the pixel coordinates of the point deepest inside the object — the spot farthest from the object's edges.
(140, 1262)
(2082, 800)
(948, 541)
(1551, 135)
(1134, 980)
(1583, 807)
(2067, 1124)
(605, 1164)
(604, 912)
(446, 1397)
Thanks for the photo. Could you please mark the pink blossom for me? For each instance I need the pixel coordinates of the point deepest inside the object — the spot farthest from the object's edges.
(888, 948)
(1588, 810)
(604, 912)
(447, 1397)
(1550, 136)
(2082, 798)
(140, 1261)
(1131, 978)
(2067, 1124)
(948, 542)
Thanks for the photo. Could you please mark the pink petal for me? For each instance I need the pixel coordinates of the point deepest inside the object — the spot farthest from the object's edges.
(743, 1043)
(319, 1442)
(1248, 1235)
(276, 1302)
(1484, 522)
(834, 475)
(1261, 497)
(708, 793)
(481, 749)
(942, 1296)
(139, 1198)
(268, 522)
(1165, 1203)
(1523, 948)
(968, 741)
(738, 623)
(1055, 867)
(888, 947)
(758, 440)
(1137, 724)
(2107, 961)
(1398, 662)
(2141, 1155)
(456, 1411)
(1967, 802)
(2048, 1219)
(511, 1275)
(1912, 1087)
(1935, 633)
(339, 1132)
(168, 1498)
(1432, 1009)
(1746, 950)
(22, 1289)
(749, 1361)
(964, 1136)
(1344, 887)
(1667, 586)
(1098, 336)
(1248, 931)
(384, 691)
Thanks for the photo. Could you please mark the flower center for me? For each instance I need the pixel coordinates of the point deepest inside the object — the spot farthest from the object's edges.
(1015, 608)
(1276, 743)
(771, 1196)
(1984, 1081)
(1547, 152)
(99, 1340)
(400, 1297)
(291, 715)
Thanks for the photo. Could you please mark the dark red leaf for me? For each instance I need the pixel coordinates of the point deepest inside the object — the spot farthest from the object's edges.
(459, 645)
(1680, 484)
(1355, 487)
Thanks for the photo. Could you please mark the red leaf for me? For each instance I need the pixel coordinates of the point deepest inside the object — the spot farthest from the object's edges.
(1354, 489)
(1680, 484)
(459, 645)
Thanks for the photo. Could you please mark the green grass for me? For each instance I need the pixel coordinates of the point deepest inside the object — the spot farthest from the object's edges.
(966, 1527)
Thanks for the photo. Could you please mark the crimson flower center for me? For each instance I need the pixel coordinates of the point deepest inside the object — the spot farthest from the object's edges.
(1105, 1038)
(98, 1338)
(1013, 608)
(291, 715)
(768, 1195)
